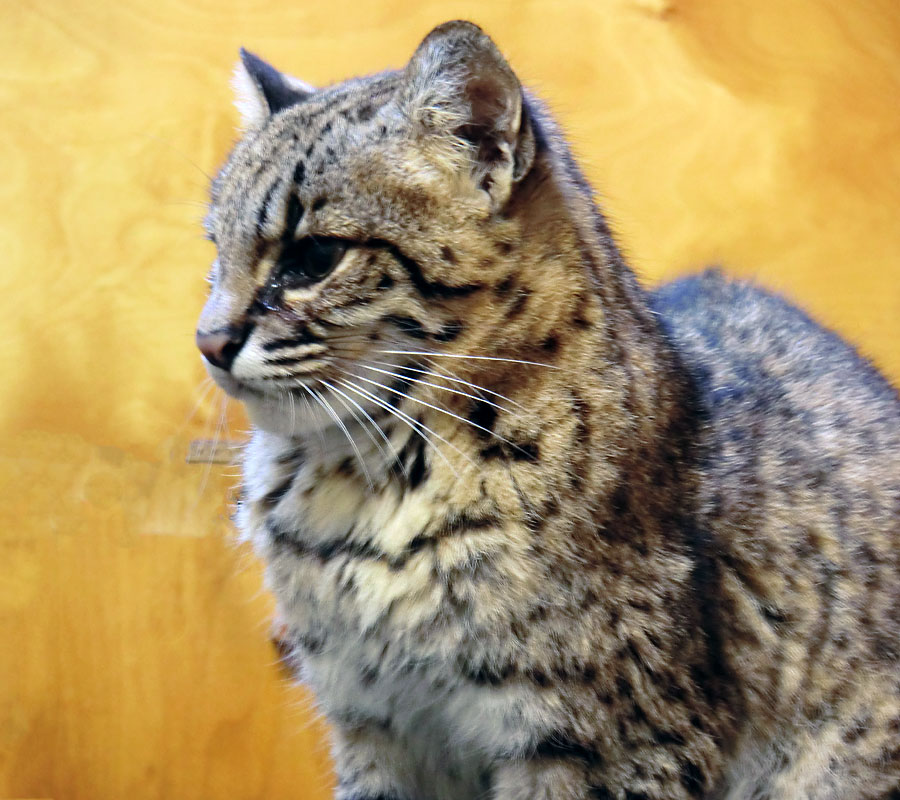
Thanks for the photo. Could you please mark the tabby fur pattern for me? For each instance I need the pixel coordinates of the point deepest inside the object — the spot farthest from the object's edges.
(533, 531)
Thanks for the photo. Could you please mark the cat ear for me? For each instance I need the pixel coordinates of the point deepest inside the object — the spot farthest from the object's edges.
(460, 86)
(261, 90)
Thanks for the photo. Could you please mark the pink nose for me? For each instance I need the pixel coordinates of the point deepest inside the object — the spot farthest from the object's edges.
(221, 347)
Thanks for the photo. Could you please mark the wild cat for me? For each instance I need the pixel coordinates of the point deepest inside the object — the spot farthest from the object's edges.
(533, 531)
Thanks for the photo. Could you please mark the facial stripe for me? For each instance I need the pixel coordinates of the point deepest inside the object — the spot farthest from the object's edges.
(429, 289)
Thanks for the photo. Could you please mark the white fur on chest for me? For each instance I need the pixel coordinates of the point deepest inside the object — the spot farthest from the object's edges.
(389, 655)
(450, 731)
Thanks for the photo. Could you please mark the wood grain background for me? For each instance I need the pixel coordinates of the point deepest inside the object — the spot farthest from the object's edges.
(134, 655)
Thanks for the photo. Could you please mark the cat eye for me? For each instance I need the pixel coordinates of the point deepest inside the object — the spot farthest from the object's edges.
(309, 260)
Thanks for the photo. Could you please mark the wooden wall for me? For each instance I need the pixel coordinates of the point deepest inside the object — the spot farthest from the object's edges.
(134, 658)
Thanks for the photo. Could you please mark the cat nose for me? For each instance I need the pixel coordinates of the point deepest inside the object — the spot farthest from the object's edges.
(221, 347)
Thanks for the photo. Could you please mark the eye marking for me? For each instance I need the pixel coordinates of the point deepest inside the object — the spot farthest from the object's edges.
(309, 260)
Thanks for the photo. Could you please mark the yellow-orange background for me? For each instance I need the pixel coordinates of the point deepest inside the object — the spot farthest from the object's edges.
(134, 659)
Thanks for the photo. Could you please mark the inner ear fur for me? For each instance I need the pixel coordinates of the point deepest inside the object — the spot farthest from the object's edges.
(462, 87)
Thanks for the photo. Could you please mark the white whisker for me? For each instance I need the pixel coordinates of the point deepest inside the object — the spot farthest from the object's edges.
(414, 424)
(220, 424)
(433, 385)
(473, 358)
(389, 458)
(439, 410)
(340, 423)
(447, 375)
(310, 411)
(207, 387)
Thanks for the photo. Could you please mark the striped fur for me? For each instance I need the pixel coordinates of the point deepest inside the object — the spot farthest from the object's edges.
(534, 532)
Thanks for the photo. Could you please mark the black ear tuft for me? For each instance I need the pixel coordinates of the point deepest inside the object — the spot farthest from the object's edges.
(278, 90)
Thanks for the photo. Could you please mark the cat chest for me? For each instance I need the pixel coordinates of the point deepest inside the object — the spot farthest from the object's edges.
(450, 731)
(378, 637)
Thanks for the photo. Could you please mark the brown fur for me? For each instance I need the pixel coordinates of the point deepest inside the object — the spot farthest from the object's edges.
(637, 546)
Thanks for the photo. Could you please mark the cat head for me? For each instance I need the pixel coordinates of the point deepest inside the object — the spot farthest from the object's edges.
(362, 223)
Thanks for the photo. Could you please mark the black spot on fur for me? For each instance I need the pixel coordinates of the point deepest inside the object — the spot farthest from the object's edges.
(505, 286)
(550, 344)
(299, 173)
(319, 203)
(519, 304)
(774, 616)
(369, 675)
(524, 451)
(488, 674)
(692, 779)
(274, 496)
(385, 281)
(450, 331)
(398, 388)
(563, 747)
(447, 254)
(618, 503)
(409, 326)
(293, 217)
(346, 467)
(312, 643)
(857, 731)
(418, 470)
(668, 738)
(483, 415)
(539, 677)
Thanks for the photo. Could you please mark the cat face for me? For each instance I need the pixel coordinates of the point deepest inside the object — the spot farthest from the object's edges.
(359, 225)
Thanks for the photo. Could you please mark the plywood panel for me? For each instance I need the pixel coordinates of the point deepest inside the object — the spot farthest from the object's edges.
(135, 659)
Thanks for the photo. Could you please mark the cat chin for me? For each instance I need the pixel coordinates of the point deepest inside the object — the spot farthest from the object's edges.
(280, 415)
(277, 416)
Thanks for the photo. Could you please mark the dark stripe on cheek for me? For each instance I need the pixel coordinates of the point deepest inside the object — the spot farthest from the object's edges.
(304, 336)
(450, 331)
(430, 290)
(409, 326)
(286, 361)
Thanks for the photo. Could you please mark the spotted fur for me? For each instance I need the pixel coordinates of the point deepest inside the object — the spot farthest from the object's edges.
(535, 532)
